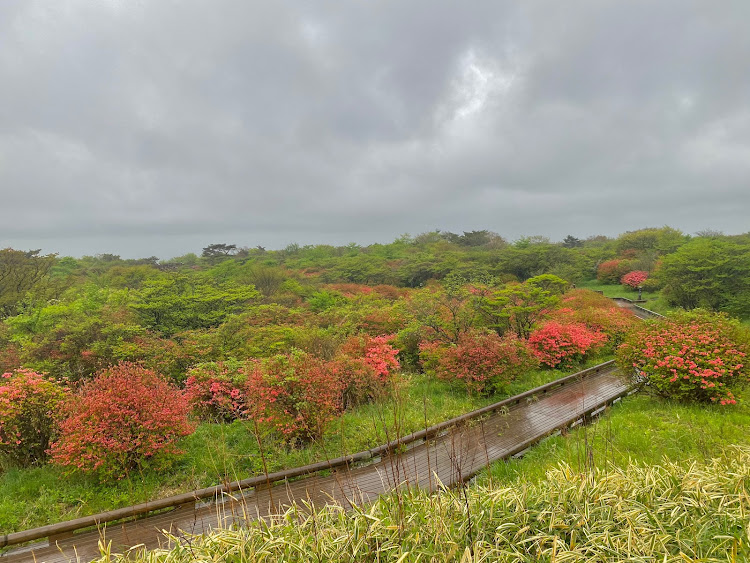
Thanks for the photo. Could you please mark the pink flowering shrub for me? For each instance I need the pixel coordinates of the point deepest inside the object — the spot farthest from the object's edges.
(126, 418)
(694, 355)
(365, 367)
(597, 312)
(216, 390)
(375, 351)
(612, 270)
(634, 279)
(29, 404)
(564, 345)
(483, 361)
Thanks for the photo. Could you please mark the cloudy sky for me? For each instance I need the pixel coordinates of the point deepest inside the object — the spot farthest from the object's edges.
(156, 127)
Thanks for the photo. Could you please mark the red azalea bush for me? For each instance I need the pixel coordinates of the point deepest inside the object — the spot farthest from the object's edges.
(597, 312)
(381, 319)
(483, 361)
(612, 270)
(29, 404)
(359, 383)
(694, 355)
(297, 394)
(10, 352)
(564, 345)
(126, 418)
(634, 279)
(365, 366)
(376, 352)
(216, 390)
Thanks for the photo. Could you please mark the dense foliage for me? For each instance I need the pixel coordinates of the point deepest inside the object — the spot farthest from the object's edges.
(292, 338)
(710, 273)
(279, 350)
(698, 356)
(29, 406)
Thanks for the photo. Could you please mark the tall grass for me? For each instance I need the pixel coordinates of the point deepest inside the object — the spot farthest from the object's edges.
(668, 512)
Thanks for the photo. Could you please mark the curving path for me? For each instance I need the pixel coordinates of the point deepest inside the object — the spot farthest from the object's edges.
(640, 312)
(450, 458)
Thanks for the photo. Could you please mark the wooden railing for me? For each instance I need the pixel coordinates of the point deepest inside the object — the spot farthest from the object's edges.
(218, 492)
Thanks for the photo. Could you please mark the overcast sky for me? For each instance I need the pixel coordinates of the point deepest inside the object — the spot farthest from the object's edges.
(156, 127)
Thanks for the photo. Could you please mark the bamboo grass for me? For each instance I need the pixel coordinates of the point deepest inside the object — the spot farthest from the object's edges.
(664, 513)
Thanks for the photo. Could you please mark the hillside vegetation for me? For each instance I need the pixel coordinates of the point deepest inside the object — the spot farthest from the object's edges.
(125, 380)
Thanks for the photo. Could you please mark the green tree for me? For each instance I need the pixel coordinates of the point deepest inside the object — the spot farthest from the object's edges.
(520, 306)
(664, 240)
(179, 302)
(75, 336)
(708, 273)
(21, 272)
(447, 312)
(572, 242)
(218, 251)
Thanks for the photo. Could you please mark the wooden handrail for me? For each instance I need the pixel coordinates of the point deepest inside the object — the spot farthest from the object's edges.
(218, 491)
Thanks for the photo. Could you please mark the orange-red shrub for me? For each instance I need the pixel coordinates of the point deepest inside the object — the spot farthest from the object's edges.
(612, 270)
(10, 356)
(564, 345)
(216, 390)
(597, 312)
(365, 366)
(126, 418)
(297, 394)
(483, 361)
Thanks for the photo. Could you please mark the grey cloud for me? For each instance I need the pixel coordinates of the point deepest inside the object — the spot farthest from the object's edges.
(158, 127)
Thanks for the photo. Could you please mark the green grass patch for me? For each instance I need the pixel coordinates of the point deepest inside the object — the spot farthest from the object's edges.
(641, 428)
(654, 299)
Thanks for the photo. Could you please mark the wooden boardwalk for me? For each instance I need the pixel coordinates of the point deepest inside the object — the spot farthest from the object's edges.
(448, 459)
(636, 309)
